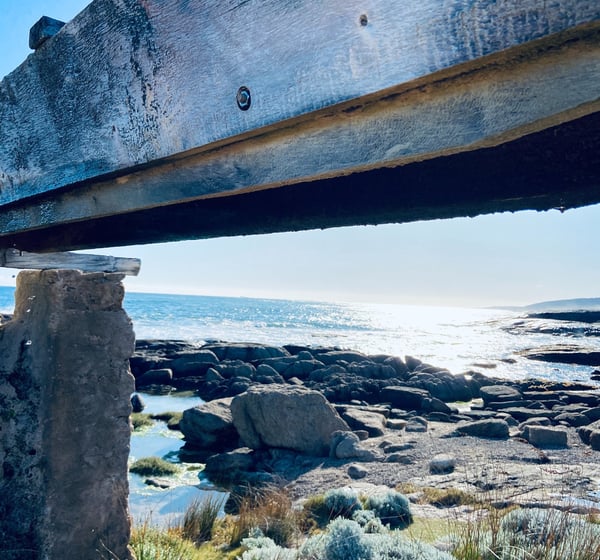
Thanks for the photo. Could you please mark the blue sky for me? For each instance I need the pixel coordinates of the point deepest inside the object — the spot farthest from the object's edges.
(499, 259)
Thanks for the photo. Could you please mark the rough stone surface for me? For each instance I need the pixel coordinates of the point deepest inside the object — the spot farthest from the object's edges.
(357, 471)
(372, 422)
(499, 393)
(544, 436)
(65, 390)
(492, 428)
(283, 416)
(443, 463)
(210, 425)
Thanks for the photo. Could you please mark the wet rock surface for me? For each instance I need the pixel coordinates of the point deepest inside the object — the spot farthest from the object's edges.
(530, 442)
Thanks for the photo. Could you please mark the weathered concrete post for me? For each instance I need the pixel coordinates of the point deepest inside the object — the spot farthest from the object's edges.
(64, 419)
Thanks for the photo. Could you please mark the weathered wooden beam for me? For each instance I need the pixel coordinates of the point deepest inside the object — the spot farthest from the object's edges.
(146, 109)
(45, 28)
(13, 258)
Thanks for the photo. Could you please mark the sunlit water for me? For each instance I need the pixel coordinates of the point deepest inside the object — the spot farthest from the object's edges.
(455, 338)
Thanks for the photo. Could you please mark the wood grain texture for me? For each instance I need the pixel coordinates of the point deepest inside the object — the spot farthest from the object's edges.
(128, 84)
(511, 96)
(554, 168)
(12, 258)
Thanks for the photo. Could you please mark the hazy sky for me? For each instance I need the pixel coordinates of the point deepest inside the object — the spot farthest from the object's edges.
(490, 260)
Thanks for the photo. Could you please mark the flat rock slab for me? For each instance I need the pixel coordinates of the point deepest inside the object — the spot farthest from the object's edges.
(564, 354)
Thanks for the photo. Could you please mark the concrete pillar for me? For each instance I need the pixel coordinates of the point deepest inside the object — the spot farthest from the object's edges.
(64, 419)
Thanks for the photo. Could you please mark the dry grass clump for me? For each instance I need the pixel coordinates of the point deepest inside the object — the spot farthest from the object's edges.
(270, 510)
(200, 517)
(152, 543)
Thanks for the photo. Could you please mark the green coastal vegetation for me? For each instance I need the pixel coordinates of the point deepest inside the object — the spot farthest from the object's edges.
(343, 524)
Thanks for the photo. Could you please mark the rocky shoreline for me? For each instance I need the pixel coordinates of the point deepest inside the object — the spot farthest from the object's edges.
(313, 419)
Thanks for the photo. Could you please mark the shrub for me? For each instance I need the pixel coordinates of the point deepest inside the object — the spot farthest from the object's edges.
(392, 508)
(532, 534)
(259, 547)
(199, 518)
(341, 502)
(346, 541)
(548, 534)
(153, 466)
(394, 546)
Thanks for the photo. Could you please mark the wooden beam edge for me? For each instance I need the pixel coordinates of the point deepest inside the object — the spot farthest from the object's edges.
(13, 258)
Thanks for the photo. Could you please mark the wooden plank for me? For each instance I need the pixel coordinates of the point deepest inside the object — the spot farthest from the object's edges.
(45, 28)
(129, 84)
(514, 94)
(554, 168)
(13, 258)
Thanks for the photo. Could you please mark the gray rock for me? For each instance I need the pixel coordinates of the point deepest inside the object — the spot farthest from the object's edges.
(245, 352)
(416, 424)
(162, 376)
(499, 393)
(545, 437)
(235, 368)
(595, 440)
(357, 471)
(442, 464)
(441, 384)
(286, 416)
(398, 365)
(346, 445)
(492, 428)
(372, 422)
(400, 458)
(267, 374)
(535, 421)
(210, 425)
(396, 424)
(137, 403)
(231, 466)
(333, 357)
(574, 419)
(302, 368)
(406, 398)
(213, 375)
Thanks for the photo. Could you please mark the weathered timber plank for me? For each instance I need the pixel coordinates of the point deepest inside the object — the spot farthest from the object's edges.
(13, 258)
(126, 83)
(516, 93)
(554, 168)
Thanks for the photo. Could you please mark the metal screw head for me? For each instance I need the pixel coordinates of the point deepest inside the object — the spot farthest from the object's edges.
(243, 98)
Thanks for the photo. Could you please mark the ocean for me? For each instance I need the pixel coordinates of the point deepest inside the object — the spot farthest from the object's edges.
(459, 339)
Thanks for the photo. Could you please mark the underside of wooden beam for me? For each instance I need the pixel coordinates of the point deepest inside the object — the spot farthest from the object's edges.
(174, 120)
(556, 168)
(13, 258)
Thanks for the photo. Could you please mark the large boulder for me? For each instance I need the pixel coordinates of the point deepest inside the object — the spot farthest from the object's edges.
(499, 393)
(493, 428)
(209, 426)
(406, 398)
(289, 417)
